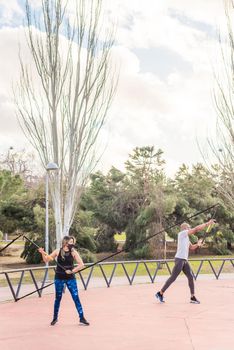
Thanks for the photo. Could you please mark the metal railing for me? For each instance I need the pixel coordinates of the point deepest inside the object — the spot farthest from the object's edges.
(152, 268)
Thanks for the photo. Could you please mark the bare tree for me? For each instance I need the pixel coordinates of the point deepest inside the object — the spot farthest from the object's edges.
(21, 163)
(223, 147)
(62, 113)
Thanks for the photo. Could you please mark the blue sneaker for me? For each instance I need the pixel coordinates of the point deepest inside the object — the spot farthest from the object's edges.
(160, 297)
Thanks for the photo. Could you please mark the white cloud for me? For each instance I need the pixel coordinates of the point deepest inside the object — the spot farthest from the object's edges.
(208, 11)
(9, 10)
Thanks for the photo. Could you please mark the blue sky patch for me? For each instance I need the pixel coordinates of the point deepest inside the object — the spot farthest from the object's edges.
(189, 22)
(161, 61)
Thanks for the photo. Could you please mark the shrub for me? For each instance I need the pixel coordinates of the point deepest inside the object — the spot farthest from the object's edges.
(105, 239)
(87, 256)
(140, 253)
(30, 252)
(221, 249)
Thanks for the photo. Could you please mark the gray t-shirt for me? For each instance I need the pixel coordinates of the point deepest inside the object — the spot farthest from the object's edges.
(183, 245)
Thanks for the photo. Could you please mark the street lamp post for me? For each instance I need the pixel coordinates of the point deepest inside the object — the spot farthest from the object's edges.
(49, 167)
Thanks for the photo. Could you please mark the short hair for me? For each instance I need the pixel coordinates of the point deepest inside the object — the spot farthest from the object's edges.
(184, 224)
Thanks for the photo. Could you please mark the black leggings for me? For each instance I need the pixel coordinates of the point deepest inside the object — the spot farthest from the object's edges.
(180, 265)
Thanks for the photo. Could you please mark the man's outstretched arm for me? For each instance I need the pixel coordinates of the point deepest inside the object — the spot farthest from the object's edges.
(201, 227)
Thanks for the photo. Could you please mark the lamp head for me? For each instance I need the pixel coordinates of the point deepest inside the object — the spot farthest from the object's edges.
(52, 166)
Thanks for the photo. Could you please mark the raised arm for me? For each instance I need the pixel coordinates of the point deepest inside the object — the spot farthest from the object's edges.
(201, 227)
(48, 257)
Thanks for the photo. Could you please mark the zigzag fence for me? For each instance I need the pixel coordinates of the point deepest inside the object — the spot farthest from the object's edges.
(38, 276)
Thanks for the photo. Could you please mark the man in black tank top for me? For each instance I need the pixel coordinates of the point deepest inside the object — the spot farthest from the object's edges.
(65, 275)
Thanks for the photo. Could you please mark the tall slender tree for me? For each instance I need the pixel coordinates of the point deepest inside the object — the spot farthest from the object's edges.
(223, 147)
(64, 108)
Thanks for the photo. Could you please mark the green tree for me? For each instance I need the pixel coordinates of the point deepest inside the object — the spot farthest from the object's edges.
(10, 185)
(133, 202)
(148, 184)
(196, 190)
(11, 190)
(103, 198)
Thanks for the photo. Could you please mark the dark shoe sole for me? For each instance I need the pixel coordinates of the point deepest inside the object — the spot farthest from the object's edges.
(84, 322)
(194, 302)
(53, 322)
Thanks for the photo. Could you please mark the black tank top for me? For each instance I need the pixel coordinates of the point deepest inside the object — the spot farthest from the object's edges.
(67, 261)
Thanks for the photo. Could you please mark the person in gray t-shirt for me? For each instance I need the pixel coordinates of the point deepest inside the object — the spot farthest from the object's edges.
(181, 259)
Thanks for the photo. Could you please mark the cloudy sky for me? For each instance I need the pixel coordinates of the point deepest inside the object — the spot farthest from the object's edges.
(165, 50)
